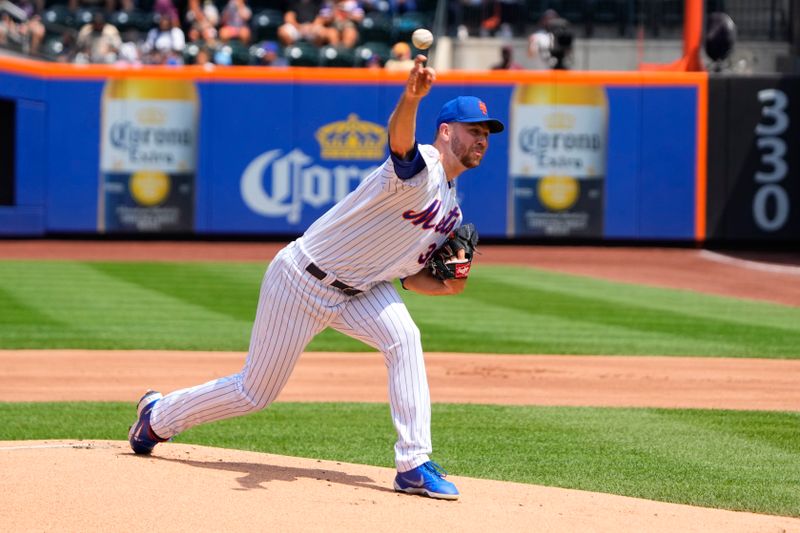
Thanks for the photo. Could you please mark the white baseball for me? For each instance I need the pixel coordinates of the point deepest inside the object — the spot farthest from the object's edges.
(422, 38)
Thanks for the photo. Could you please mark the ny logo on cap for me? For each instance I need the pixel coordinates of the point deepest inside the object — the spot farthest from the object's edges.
(483, 108)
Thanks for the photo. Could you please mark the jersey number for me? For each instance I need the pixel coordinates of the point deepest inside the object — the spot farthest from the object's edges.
(423, 258)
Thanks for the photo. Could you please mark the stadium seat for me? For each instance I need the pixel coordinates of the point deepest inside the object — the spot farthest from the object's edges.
(336, 56)
(82, 17)
(375, 27)
(302, 54)
(265, 24)
(52, 48)
(146, 22)
(57, 15)
(367, 51)
(404, 25)
(190, 52)
(239, 52)
(132, 20)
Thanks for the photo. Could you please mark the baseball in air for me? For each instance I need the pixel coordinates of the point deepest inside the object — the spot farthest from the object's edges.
(422, 39)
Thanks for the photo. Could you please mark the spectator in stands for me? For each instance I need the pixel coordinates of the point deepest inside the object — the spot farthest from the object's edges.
(302, 21)
(8, 29)
(98, 41)
(203, 57)
(507, 60)
(27, 30)
(341, 19)
(540, 42)
(235, 21)
(165, 43)
(401, 58)
(165, 8)
(202, 21)
(32, 29)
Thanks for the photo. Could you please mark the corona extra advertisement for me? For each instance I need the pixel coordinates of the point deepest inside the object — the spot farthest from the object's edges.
(148, 153)
(557, 160)
(287, 184)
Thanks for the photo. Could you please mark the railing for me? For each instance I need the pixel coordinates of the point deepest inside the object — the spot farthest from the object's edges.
(760, 20)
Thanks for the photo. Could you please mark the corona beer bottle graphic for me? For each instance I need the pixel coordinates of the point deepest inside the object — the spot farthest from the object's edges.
(557, 160)
(148, 153)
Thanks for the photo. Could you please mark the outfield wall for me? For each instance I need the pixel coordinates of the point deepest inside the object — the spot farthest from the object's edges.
(754, 159)
(257, 151)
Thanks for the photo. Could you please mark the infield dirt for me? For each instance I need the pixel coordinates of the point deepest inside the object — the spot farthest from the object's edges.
(679, 382)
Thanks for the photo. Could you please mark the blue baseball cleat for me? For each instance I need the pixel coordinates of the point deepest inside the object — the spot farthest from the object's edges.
(141, 435)
(427, 480)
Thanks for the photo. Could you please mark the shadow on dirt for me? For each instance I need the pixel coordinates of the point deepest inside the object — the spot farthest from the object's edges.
(255, 474)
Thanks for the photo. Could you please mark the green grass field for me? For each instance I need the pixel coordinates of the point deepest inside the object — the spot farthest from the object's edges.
(210, 306)
(727, 459)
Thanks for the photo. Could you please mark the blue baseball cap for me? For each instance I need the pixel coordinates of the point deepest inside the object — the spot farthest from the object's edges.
(468, 109)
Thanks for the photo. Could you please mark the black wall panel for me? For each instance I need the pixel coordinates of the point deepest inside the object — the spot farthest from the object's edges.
(754, 159)
(8, 119)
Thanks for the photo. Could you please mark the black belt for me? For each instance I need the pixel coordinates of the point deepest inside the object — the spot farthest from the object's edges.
(320, 274)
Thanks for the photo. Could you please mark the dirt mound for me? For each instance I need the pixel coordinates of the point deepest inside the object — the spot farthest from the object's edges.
(101, 486)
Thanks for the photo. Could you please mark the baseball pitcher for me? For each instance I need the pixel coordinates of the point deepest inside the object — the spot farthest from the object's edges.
(402, 222)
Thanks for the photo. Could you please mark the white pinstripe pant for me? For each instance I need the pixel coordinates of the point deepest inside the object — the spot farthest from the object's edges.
(293, 307)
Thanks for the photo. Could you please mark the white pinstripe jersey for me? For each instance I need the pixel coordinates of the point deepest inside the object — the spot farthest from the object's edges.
(387, 226)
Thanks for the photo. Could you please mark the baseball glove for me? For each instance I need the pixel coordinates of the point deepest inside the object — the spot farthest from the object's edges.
(443, 263)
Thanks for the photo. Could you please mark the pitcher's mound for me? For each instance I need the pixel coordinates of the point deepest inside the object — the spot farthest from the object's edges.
(102, 486)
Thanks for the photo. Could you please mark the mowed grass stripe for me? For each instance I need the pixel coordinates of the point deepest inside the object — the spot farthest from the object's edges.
(209, 306)
(530, 311)
(527, 331)
(17, 312)
(675, 329)
(90, 309)
(728, 459)
(688, 302)
(231, 290)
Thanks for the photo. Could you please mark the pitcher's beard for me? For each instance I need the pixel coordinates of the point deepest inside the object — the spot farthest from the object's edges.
(464, 154)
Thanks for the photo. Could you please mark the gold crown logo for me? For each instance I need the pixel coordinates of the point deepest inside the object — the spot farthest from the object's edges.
(352, 139)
